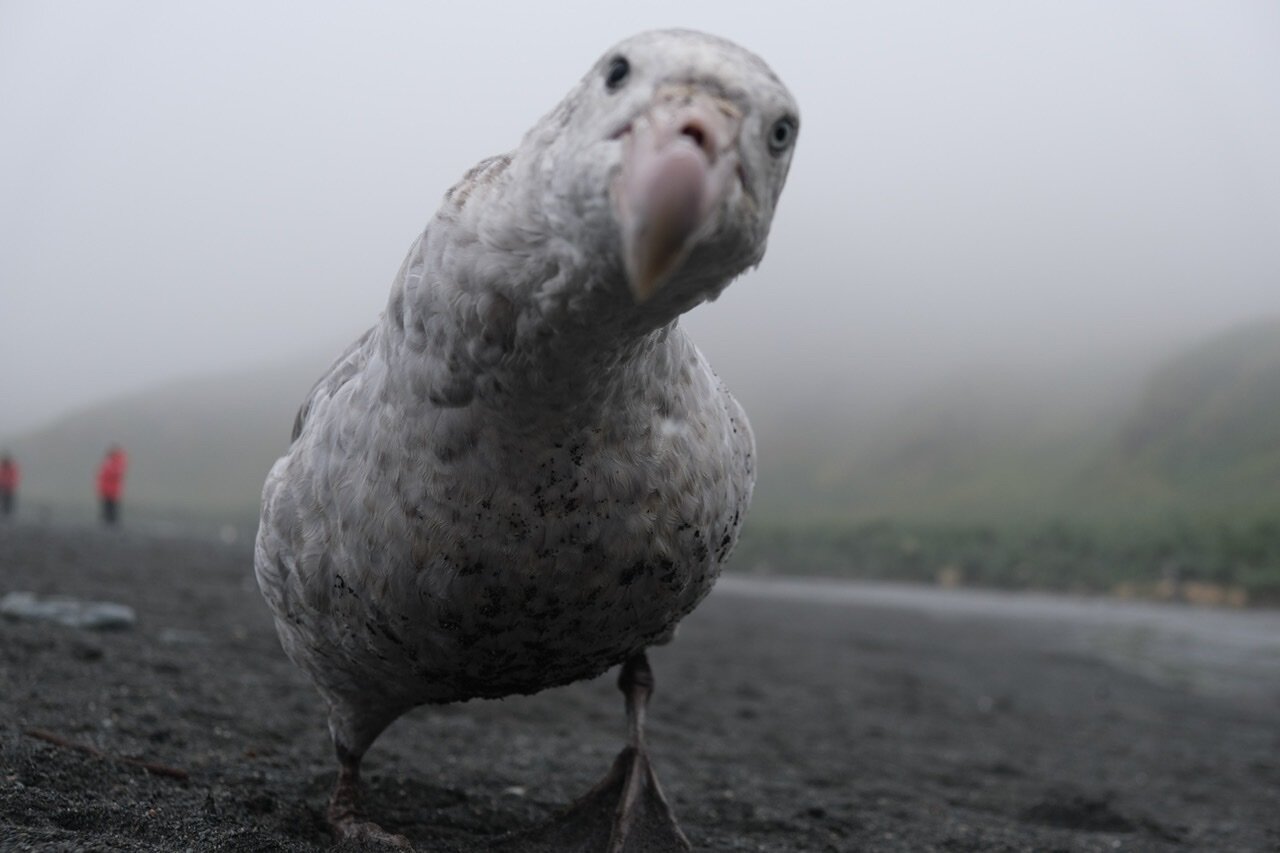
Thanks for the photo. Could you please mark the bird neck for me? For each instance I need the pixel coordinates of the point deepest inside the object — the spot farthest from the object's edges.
(525, 328)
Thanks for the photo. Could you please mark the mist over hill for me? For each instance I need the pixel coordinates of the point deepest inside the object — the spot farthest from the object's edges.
(1205, 433)
(1199, 432)
(199, 447)
(985, 442)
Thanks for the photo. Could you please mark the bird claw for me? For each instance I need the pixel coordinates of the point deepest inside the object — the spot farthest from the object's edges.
(367, 832)
(345, 816)
(625, 813)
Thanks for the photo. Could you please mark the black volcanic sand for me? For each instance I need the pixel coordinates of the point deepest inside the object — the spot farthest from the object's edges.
(776, 727)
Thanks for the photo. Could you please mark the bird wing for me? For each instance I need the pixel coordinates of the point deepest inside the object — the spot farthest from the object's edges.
(339, 373)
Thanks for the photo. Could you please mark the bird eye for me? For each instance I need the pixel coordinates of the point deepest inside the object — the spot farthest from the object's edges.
(781, 135)
(619, 68)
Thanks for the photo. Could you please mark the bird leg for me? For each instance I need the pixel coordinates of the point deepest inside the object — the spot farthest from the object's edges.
(345, 812)
(626, 812)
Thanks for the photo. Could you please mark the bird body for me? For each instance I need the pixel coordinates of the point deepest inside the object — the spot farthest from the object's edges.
(525, 472)
(432, 553)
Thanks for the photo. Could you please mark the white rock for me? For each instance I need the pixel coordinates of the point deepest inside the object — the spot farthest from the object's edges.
(72, 612)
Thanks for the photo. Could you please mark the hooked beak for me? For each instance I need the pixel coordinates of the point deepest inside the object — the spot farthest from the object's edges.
(679, 159)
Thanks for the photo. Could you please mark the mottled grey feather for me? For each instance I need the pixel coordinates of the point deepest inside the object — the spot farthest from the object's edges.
(520, 477)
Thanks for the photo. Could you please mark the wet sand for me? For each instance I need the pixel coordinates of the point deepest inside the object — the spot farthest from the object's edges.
(788, 717)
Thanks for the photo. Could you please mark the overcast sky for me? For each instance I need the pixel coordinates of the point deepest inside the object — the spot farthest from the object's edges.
(190, 187)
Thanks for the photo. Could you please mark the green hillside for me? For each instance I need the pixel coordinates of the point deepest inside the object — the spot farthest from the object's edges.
(1198, 434)
(1205, 434)
(977, 447)
(1164, 485)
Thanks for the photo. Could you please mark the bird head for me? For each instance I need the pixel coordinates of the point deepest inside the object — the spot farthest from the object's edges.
(670, 156)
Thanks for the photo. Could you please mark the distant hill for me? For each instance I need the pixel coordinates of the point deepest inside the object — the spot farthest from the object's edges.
(197, 447)
(1200, 433)
(981, 444)
(1205, 433)
(1197, 433)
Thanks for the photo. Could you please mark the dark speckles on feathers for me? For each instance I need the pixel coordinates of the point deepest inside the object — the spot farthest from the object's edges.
(524, 474)
(632, 573)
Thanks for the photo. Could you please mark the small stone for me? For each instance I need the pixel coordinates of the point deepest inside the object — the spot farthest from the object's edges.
(90, 615)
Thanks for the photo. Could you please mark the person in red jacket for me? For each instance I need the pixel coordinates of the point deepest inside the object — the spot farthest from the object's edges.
(10, 476)
(111, 483)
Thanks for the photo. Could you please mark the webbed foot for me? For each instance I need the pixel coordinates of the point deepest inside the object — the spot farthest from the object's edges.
(345, 815)
(368, 832)
(626, 812)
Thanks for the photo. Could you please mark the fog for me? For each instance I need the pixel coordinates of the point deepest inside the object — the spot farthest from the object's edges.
(189, 188)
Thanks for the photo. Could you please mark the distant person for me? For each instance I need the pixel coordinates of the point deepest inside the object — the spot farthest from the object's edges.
(10, 476)
(111, 483)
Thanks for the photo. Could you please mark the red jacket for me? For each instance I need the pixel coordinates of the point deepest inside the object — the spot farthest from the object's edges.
(10, 476)
(111, 475)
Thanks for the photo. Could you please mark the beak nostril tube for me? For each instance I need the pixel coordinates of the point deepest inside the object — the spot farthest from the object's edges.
(698, 134)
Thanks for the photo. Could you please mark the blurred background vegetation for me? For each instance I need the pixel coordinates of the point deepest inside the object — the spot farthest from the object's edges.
(1159, 476)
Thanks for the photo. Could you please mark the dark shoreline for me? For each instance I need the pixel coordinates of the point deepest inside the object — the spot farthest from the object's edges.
(778, 725)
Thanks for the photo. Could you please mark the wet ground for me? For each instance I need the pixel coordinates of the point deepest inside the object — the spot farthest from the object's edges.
(788, 717)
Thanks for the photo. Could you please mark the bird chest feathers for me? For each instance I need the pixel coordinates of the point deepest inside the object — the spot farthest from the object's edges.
(524, 553)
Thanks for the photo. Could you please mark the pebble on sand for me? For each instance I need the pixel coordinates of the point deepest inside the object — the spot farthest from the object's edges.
(90, 615)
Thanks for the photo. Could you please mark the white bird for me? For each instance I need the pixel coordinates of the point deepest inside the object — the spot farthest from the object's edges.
(526, 473)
